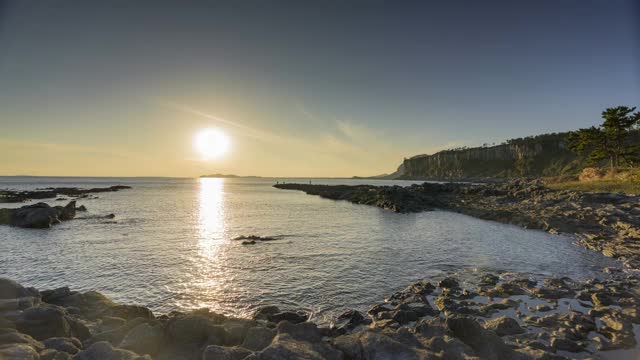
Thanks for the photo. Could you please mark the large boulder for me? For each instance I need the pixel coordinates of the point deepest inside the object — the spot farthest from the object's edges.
(18, 352)
(285, 346)
(90, 304)
(258, 338)
(215, 352)
(485, 343)
(198, 327)
(68, 345)
(13, 337)
(10, 289)
(380, 344)
(43, 322)
(105, 351)
(38, 215)
(144, 339)
(348, 321)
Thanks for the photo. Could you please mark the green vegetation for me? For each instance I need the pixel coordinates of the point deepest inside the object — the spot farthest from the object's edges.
(611, 140)
(625, 181)
(613, 144)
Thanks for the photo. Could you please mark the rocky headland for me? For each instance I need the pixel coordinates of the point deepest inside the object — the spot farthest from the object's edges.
(505, 316)
(606, 222)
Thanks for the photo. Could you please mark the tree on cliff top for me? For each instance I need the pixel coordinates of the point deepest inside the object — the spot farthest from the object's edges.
(609, 141)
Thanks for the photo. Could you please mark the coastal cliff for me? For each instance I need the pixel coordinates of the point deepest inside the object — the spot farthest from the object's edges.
(533, 156)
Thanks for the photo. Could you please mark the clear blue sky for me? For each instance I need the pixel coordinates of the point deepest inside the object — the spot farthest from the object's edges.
(338, 88)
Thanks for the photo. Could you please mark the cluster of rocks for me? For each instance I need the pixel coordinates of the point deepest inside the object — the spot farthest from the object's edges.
(606, 222)
(508, 317)
(50, 193)
(40, 215)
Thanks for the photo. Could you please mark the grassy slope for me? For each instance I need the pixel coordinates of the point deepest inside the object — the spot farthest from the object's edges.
(626, 182)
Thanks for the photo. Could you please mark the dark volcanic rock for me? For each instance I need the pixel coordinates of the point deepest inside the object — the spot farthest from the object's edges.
(38, 215)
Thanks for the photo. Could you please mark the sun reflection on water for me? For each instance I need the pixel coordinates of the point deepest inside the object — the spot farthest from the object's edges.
(211, 216)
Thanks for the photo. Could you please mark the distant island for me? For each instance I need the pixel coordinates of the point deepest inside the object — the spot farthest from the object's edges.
(228, 176)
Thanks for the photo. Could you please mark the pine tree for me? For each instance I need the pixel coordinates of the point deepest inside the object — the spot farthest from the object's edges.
(609, 141)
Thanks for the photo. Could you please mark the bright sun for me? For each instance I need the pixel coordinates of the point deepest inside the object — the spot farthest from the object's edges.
(211, 143)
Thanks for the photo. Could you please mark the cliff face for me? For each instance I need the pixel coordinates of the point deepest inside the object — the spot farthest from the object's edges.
(534, 156)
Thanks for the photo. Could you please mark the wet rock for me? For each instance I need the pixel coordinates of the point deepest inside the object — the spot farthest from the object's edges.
(490, 308)
(215, 352)
(553, 293)
(601, 299)
(489, 280)
(377, 309)
(449, 283)
(258, 338)
(616, 322)
(504, 326)
(105, 351)
(565, 344)
(264, 312)
(543, 308)
(422, 287)
(290, 316)
(348, 321)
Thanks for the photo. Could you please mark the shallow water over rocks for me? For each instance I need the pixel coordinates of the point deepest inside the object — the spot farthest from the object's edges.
(171, 246)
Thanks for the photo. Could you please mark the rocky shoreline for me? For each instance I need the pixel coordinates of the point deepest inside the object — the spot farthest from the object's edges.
(13, 196)
(505, 316)
(606, 222)
(42, 215)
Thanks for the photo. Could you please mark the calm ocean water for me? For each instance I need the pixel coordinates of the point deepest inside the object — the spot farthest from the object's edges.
(171, 247)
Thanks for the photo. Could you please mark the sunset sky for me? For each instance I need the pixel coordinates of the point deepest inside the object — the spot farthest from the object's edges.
(340, 88)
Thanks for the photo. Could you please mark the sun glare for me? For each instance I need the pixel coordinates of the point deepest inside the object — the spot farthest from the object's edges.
(211, 143)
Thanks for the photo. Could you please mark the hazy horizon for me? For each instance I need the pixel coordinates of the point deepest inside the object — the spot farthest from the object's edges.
(331, 89)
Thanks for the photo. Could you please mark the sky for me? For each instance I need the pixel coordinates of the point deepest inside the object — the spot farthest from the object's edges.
(302, 88)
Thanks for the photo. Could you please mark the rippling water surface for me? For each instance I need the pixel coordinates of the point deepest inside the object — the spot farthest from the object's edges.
(171, 247)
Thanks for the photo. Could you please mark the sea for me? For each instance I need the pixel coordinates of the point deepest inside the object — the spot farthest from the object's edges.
(171, 246)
